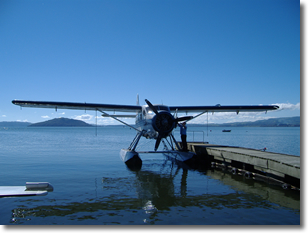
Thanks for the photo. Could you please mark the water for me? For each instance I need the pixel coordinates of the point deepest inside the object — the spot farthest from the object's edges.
(93, 186)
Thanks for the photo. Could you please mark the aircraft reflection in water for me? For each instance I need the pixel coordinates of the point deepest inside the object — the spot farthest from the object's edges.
(152, 122)
(161, 191)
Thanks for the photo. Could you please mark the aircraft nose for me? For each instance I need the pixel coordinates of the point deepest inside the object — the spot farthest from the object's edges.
(164, 122)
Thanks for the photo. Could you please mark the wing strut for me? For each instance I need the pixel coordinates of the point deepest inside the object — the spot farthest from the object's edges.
(106, 114)
(197, 115)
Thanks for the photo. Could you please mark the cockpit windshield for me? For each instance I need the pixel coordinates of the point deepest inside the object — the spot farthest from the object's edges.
(159, 108)
(162, 107)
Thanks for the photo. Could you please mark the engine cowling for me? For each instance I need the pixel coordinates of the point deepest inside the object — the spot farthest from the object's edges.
(163, 123)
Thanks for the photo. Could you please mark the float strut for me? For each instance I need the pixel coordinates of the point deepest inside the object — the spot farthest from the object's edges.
(133, 145)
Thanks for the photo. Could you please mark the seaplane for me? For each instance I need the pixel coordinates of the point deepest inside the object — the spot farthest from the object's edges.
(152, 121)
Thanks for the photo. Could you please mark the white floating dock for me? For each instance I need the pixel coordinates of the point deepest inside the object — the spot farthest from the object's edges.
(31, 189)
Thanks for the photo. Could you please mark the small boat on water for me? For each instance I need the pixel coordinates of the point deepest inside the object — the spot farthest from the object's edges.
(226, 130)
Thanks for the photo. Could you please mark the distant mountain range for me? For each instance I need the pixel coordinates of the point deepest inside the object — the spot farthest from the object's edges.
(61, 122)
(13, 124)
(272, 122)
(65, 122)
(57, 122)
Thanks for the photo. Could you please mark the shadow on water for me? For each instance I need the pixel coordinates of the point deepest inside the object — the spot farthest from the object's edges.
(161, 193)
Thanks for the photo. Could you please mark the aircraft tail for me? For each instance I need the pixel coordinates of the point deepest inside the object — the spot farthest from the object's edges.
(138, 99)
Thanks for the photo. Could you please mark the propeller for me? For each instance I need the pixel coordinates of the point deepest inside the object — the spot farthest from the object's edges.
(185, 118)
(151, 106)
(163, 122)
(157, 142)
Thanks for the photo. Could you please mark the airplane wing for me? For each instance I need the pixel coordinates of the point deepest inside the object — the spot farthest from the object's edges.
(77, 106)
(136, 108)
(219, 108)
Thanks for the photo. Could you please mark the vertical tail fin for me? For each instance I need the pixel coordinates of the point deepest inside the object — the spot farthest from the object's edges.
(138, 99)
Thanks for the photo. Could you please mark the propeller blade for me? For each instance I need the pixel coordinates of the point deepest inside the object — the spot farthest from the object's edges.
(157, 142)
(185, 118)
(151, 106)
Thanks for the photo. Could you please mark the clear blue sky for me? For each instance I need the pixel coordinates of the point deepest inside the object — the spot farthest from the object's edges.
(207, 52)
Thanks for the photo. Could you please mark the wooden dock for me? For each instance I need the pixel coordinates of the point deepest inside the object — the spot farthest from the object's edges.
(250, 162)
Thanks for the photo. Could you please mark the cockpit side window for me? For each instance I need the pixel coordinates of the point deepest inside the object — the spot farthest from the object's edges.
(149, 110)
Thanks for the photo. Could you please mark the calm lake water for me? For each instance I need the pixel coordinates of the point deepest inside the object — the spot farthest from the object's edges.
(92, 186)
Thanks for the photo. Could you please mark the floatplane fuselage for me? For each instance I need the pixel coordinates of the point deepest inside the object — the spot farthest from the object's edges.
(151, 121)
(156, 122)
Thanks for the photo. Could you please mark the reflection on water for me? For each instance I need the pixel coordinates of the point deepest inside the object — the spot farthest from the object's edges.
(164, 192)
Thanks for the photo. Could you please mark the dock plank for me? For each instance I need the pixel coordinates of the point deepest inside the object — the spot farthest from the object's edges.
(275, 163)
